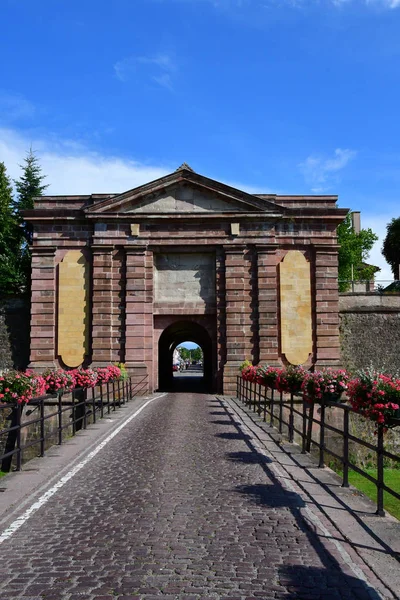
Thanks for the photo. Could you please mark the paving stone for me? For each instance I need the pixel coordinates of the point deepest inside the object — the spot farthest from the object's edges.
(178, 506)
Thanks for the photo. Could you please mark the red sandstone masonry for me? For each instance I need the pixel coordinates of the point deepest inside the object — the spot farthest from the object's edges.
(326, 304)
(117, 305)
(102, 351)
(43, 304)
(238, 312)
(245, 324)
(268, 304)
(139, 299)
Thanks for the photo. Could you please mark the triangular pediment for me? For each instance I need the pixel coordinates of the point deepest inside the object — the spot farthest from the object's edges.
(183, 192)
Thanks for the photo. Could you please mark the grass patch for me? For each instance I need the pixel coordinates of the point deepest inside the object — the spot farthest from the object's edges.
(392, 480)
(2, 473)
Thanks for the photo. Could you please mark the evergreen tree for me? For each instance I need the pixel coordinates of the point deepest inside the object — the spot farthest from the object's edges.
(391, 246)
(7, 221)
(29, 186)
(12, 279)
(354, 250)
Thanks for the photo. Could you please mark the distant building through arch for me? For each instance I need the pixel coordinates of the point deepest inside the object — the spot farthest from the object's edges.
(118, 277)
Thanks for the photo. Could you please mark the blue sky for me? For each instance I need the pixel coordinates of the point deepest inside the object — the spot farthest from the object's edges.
(285, 96)
(189, 345)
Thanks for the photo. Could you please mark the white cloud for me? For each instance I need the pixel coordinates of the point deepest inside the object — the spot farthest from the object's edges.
(164, 80)
(320, 172)
(14, 106)
(229, 4)
(384, 3)
(71, 168)
(158, 68)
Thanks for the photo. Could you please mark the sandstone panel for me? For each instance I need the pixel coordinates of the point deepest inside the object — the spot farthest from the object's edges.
(73, 288)
(295, 294)
(186, 278)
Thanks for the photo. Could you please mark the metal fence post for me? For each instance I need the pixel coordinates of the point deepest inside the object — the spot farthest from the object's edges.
(345, 482)
(291, 419)
(73, 413)
(271, 419)
(304, 430)
(94, 405)
(380, 511)
(84, 398)
(119, 393)
(113, 394)
(322, 435)
(42, 427)
(18, 424)
(265, 403)
(310, 425)
(101, 401)
(59, 418)
(108, 397)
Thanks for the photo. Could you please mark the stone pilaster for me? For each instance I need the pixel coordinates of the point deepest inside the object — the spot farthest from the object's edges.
(238, 313)
(139, 313)
(43, 308)
(221, 315)
(327, 352)
(268, 304)
(103, 343)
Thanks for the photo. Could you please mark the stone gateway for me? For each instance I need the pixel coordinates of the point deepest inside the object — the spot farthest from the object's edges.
(127, 277)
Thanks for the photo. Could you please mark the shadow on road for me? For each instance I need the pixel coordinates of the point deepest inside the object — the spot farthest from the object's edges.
(302, 582)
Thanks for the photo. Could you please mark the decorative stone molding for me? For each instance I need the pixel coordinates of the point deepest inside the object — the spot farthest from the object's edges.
(73, 309)
(296, 315)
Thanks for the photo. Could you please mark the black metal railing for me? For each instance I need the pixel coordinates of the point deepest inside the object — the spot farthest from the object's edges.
(58, 416)
(369, 286)
(292, 416)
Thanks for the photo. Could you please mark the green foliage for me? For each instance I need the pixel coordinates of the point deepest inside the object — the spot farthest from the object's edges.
(392, 480)
(195, 354)
(29, 186)
(7, 221)
(391, 246)
(12, 277)
(354, 250)
(184, 352)
(122, 368)
(246, 363)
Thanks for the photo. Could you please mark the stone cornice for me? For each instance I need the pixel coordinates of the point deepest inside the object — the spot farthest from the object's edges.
(50, 250)
(98, 248)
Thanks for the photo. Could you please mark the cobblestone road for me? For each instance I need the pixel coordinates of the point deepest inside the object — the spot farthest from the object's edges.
(178, 506)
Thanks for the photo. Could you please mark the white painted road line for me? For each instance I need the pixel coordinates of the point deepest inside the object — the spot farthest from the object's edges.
(7, 533)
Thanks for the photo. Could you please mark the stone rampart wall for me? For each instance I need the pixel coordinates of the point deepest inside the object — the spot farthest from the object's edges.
(14, 333)
(370, 331)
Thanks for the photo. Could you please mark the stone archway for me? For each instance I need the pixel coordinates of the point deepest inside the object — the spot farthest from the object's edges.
(172, 336)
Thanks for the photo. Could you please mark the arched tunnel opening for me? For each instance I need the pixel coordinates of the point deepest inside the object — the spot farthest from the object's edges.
(192, 380)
